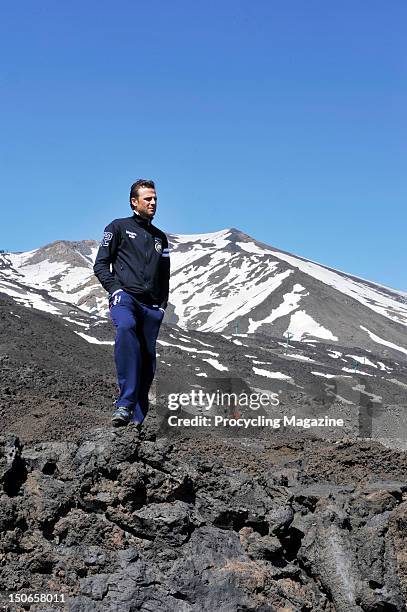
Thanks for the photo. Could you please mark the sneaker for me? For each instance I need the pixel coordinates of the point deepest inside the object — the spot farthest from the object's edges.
(121, 416)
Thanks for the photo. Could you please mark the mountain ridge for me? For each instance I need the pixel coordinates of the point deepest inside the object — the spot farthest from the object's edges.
(95, 242)
(225, 282)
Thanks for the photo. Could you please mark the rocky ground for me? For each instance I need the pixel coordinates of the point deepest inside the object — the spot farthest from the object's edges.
(122, 520)
(125, 521)
(53, 384)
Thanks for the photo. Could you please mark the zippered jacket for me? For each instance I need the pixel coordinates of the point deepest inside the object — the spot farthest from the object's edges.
(134, 256)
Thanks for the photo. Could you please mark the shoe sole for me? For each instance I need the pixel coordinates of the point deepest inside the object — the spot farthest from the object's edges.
(118, 422)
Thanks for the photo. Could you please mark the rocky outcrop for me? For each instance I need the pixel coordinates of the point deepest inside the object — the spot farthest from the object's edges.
(125, 521)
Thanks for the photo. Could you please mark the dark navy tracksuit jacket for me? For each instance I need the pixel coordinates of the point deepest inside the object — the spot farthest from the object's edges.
(133, 265)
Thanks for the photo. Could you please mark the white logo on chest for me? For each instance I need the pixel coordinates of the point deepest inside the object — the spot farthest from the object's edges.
(131, 234)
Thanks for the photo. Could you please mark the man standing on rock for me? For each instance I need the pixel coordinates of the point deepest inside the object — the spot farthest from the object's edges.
(133, 265)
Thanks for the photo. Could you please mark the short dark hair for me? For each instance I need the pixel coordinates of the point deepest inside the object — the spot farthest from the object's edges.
(140, 183)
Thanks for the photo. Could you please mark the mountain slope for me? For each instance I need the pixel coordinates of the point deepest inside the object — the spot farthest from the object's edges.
(227, 282)
(56, 378)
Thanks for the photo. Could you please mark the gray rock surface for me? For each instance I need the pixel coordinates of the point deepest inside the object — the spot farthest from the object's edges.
(122, 521)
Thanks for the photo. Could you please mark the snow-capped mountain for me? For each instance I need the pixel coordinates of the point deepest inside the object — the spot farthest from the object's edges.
(225, 282)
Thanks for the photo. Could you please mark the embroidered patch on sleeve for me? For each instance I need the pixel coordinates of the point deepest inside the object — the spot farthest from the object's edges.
(158, 245)
(107, 236)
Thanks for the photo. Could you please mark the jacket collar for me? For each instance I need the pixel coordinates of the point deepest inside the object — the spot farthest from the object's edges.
(140, 219)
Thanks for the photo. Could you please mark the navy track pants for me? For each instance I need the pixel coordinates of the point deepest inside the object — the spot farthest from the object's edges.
(137, 327)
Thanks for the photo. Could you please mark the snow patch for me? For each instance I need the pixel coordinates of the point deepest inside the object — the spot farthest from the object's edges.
(355, 371)
(323, 374)
(303, 357)
(372, 298)
(362, 360)
(301, 325)
(384, 342)
(215, 364)
(289, 304)
(92, 340)
(268, 374)
(334, 354)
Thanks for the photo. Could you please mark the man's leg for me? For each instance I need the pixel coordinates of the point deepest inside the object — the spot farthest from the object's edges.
(124, 314)
(152, 319)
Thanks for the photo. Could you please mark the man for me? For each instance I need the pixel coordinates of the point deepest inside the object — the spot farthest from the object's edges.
(133, 266)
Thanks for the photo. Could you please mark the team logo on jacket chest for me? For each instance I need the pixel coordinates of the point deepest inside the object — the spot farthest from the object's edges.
(158, 243)
(131, 234)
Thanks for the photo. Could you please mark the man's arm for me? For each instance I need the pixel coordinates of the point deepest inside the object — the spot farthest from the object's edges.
(164, 275)
(106, 256)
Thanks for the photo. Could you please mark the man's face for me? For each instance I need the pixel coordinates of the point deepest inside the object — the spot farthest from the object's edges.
(145, 203)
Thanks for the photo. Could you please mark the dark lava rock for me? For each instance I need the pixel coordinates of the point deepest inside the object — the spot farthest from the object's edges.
(120, 520)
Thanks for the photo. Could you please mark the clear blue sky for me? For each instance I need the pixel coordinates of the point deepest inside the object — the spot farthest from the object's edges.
(285, 119)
